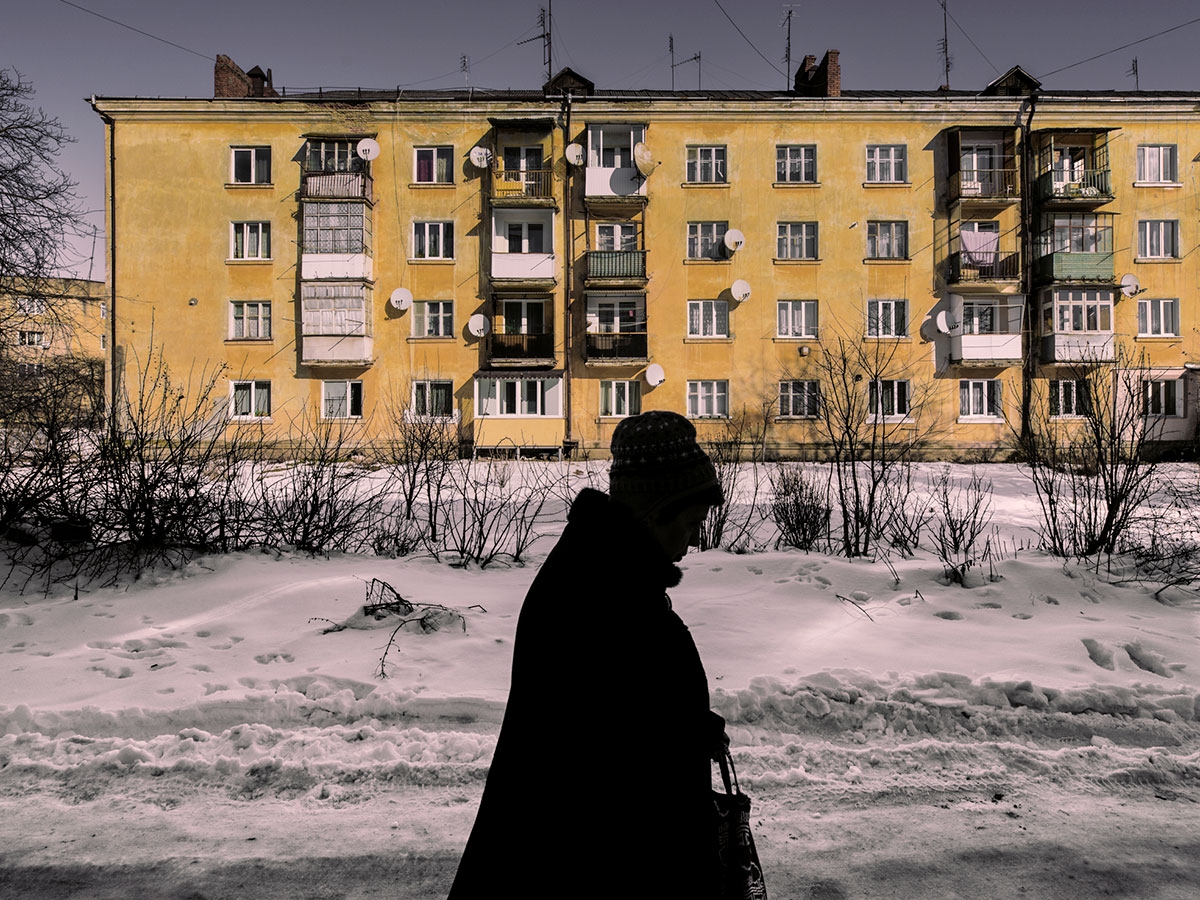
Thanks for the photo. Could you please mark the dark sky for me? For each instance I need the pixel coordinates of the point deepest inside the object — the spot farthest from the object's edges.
(70, 54)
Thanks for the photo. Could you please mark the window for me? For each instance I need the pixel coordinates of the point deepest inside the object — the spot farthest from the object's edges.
(251, 320)
(708, 318)
(435, 165)
(517, 397)
(887, 318)
(887, 163)
(979, 398)
(31, 338)
(611, 146)
(983, 317)
(341, 399)
(888, 399)
(433, 399)
(1156, 164)
(1158, 317)
(799, 399)
(433, 240)
(31, 306)
(30, 370)
(333, 155)
(336, 228)
(251, 240)
(620, 398)
(328, 308)
(433, 318)
(708, 399)
(251, 165)
(251, 399)
(796, 240)
(1079, 233)
(616, 236)
(526, 237)
(706, 165)
(616, 315)
(796, 164)
(1078, 311)
(1158, 239)
(797, 318)
(887, 240)
(1069, 398)
(706, 240)
(523, 317)
(1162, 398)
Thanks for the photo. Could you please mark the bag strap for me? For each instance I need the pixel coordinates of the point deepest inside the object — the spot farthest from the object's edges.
(728, 773)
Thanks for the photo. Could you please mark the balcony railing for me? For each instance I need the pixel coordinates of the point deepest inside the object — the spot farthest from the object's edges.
(1063, 266)
(616, 264)
(1090, 186)
(984, 184)
(604, 345)
(974, 267)
(336, 185)
(522, 346)
(522, 184)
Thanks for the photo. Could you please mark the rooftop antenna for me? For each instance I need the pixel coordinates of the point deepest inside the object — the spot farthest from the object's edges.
(671, 48)
(544, 20)
(944, 46)
(464, 66)
(695, 59)
(787, 53)
(1134, 72)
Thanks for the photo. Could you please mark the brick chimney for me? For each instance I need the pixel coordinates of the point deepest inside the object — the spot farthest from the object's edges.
(230, 81)
(824, 80)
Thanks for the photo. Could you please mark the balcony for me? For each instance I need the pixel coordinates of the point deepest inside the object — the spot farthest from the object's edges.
(1083, 188)
(1073, 347)
(616, 266)
(358, 266)
(522, 187)
(336, 350)
(336, 186)
(521, 349)
(524, 268)
(1075, 266)
(615, 347)
(984, 186)
(602, 184)
(984, 267)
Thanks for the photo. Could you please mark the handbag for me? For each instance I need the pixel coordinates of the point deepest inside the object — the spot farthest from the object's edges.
(741, 873)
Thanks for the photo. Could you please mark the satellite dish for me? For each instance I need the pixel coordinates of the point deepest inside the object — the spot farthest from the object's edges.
(942, 322)
(643, 160)
(479, 325)
(401, 299)
(740, 290)
(574, 154)
(481, 157)
(655, 375)
(1130, 286)
(734, 239)
(367, 148)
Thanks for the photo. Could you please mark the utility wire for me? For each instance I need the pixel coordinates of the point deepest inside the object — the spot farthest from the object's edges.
(92, 12)
(967, 36)
(747, 40)
(474, 61)
(1122, 47)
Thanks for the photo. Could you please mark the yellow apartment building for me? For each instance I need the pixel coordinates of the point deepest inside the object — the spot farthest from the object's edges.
(530, 266)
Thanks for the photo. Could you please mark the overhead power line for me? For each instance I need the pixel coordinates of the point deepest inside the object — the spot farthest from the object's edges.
(92, 12)
(747, 40)
(1122, 47)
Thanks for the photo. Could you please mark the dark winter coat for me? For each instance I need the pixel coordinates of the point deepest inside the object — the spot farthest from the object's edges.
(600, 782)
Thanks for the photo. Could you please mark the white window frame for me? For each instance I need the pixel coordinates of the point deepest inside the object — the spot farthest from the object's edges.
(441, 162)
(887, 318)
(797, 319)
(1080, 312)
(611, 146)
(887, 239)
(433, 319)
(1162, 398)
(334, 308)
(984, 316)
(616, 236)
(32, 339)
(1158, 239)
(887, 164)
(250, 315)
(341, 400)
(258, 232)
(428, 233)
(1078, 233)
(425, 393)
(797, 240)
(30, 369)
(1158, 317)
(799, 394)
(1068, 398)
(1157, 164)
(506, 237)
(706, 239)
(708, 399)
(258, 158)
(335, 227)
(619, 398)
(980, 398)
(257, 394)
(518, 398)
(707, 164)
(32, 306)
(796, 163)
(893, 392)
(332, 155)
(708, 319)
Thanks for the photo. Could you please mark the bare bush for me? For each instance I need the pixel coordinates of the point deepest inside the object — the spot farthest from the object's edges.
(799, 507)
(737, 456)
(963, 514)
(903, 511)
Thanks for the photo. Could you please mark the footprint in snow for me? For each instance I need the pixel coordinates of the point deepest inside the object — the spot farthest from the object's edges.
(1022, 615)
(267, 658)
(123, 672)
(15, 618)
(988, 605)
(948, 614)
(1099, 654)
(754, 569)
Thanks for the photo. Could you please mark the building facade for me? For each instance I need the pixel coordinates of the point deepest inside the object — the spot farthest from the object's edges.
(528, 267)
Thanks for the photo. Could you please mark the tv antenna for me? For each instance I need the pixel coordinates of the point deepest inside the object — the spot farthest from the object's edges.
(545, 18)
(464, 66)
(1134, 73)
(944, 46)
(787, 52)
(695, 59)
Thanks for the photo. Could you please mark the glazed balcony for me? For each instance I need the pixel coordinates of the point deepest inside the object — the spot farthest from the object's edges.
(615, 347)
(523, 349)
(336, 350)
(324, 185)
(616, 265)
(1073, 347)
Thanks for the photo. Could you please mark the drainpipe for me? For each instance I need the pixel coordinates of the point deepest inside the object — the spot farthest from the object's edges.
(1032, 351)
(114, 355)
(568, 344)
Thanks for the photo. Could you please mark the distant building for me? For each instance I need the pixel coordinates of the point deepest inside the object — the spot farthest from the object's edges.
(51, 319)
(530, 266)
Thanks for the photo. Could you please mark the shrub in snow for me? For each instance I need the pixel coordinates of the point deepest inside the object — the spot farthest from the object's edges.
(962, 513)
(799, 507)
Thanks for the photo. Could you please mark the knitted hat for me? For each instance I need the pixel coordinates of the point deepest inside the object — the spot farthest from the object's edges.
(656, 459)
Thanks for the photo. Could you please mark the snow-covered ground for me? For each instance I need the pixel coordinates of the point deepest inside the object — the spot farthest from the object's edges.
(189, 714)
